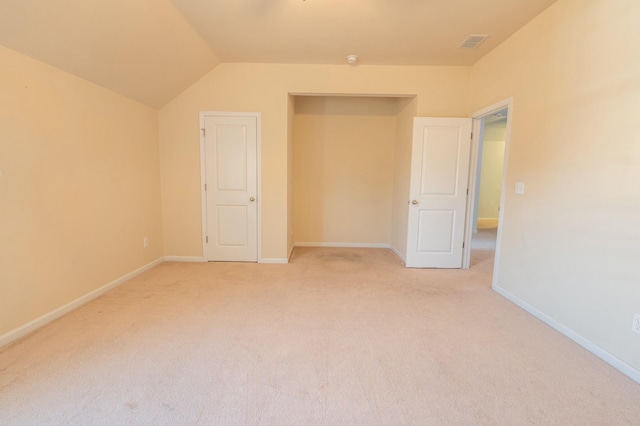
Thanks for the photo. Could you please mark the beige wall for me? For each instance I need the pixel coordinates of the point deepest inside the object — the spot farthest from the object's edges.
(402, 174)
(570, 243)
(491, 173)
(79, 188)
(344, 169)
(265, 88)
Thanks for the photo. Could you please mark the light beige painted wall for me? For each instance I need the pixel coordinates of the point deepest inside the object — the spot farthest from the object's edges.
(344, 169)
(264, 88)
(79, 188)
(570, 243)
(491, 172)
(402, 174)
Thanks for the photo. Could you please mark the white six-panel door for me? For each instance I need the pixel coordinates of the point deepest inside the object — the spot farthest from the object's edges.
(230, 150)
(438, 192)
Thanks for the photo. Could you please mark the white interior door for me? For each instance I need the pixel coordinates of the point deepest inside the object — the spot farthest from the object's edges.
(438, 191)
(230, 149)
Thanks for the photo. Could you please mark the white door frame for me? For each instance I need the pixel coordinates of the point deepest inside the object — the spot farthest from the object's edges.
(203, 176)
(477, 117)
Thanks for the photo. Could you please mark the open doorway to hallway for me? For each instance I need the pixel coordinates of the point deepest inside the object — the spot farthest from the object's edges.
(489, 174)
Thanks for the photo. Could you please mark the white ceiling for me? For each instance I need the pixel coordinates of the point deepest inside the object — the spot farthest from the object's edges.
(381, 32)
(151, 50)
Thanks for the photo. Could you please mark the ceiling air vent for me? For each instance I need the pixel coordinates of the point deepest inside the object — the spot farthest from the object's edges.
(473, 41)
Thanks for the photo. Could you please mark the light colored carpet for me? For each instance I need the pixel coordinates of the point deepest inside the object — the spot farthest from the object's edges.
(337, 337)
(484, 239)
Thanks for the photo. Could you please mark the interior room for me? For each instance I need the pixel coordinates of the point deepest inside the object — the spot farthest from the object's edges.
(110, 313)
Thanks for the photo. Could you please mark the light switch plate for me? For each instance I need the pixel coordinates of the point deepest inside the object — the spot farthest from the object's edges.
(635, 326)
(519, 188)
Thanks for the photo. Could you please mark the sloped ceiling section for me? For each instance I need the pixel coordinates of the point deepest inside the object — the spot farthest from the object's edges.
(151, 50)
(381, 32)
(143, 49)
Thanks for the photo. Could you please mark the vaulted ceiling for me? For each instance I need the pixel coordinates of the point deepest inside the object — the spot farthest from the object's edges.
(151, 50)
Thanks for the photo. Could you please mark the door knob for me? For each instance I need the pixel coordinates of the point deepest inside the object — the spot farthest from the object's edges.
(252, 199)
(414, 202)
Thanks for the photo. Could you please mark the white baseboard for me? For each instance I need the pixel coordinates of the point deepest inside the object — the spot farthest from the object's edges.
(487, 222)
(33, 325)
(183, 259)
(274, 260)
(195, 259)
(612, 360)
(397, 253)
(347, 245)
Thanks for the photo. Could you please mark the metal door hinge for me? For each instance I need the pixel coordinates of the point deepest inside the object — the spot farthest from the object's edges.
(463, 244)
(206, 239)
(204, 132)
(205, 188)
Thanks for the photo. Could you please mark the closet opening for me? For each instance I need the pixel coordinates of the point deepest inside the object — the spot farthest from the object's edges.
(351, 158)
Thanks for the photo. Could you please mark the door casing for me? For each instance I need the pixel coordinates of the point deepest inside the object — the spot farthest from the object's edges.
(473, 181)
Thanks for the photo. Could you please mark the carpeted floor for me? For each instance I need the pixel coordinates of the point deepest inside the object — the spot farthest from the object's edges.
(484, 239)
(337, 337)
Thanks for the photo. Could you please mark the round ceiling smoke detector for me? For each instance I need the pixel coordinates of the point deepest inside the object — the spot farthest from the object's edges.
(352, 59)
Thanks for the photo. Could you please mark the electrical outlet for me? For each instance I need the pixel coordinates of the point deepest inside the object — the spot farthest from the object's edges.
(145, 242)
(636, 323)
